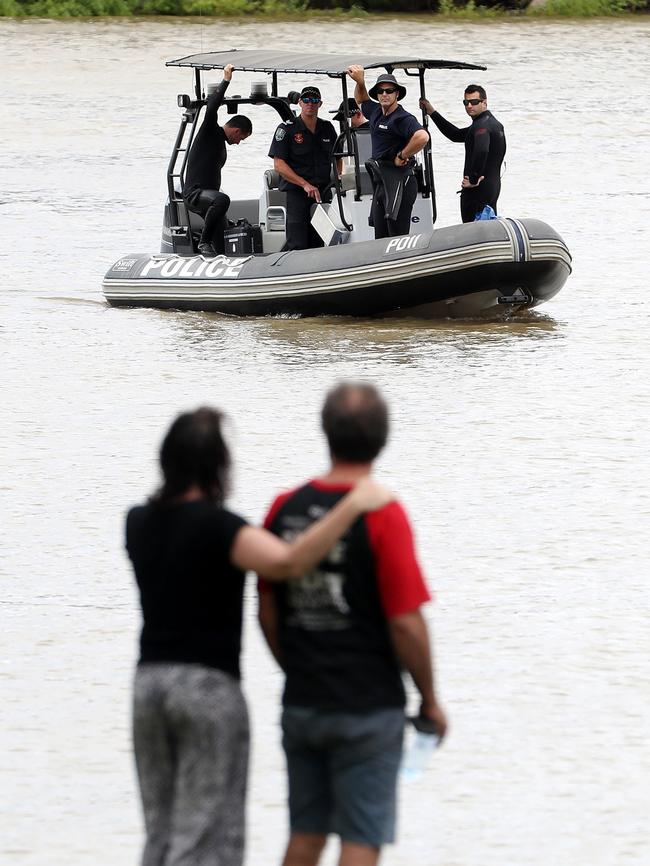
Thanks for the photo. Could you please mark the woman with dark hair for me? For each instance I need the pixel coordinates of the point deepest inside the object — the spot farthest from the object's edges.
(190, 722)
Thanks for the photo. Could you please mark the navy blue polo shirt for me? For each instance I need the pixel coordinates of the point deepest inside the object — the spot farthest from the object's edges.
(309, 154)
(390, 132)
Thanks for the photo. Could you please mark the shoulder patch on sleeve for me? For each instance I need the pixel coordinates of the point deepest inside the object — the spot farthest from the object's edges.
(280, 133)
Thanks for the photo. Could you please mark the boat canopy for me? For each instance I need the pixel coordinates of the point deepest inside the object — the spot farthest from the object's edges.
(274, 63)
(334, 65)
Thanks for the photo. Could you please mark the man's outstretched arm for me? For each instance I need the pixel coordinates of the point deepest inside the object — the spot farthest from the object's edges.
(453, 133)
(217, 96)
(357, 74)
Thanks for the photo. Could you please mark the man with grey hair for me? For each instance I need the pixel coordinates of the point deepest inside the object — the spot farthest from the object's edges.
(342, 634)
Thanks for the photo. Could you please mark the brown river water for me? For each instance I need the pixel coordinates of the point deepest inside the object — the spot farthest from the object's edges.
(519, 448)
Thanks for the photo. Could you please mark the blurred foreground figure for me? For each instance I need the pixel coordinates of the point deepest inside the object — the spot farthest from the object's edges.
(190, 723)
(342, 635)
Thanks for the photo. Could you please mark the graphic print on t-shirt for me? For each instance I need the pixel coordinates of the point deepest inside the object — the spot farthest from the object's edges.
(316, 601)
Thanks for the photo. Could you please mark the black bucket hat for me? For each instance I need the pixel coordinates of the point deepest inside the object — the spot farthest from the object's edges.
(386, 78)
(352, 107)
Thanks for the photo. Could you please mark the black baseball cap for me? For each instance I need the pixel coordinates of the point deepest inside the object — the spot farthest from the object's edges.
(310, 91)
(352, 107)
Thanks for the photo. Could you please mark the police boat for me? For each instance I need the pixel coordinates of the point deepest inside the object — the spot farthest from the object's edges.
(484, 268)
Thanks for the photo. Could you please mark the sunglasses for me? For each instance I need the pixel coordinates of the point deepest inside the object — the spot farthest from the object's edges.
(311, 100)
(472, 101)
(386, 90)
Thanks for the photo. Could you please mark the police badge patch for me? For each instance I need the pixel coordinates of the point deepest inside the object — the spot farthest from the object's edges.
(280, 133)
(299, 138)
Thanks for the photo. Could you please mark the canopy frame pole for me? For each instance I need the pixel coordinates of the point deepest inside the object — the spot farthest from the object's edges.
(351, 139)
(427, 159)
(179, 218)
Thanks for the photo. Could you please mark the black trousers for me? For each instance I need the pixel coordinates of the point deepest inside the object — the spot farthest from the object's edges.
(213, 206)
(472, 201)
(301, 235)
(385, 228)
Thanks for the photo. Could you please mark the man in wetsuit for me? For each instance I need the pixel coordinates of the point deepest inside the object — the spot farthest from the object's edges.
(396, 137)
(485, 148)
(202, 188)
(342, 635)
(302, 154)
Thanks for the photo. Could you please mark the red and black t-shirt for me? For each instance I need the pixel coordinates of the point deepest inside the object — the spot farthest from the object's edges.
(333, 622)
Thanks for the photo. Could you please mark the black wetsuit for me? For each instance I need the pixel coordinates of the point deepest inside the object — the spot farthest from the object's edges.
(202, 186)
(310, 156)
(390, 133)
(485, 148)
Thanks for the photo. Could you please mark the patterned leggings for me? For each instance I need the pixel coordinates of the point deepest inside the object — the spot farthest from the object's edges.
(191, 736)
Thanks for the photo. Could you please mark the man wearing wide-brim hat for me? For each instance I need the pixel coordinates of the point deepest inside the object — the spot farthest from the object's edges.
(396, 137)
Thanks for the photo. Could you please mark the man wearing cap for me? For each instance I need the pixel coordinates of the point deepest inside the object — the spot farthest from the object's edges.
(357, 119)
(202, 188)
(485, 148)
(359, 126)
(396, 137)
(302, 155)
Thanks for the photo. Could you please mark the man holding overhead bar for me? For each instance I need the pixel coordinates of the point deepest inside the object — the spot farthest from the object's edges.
(396, 137)
(202, 188)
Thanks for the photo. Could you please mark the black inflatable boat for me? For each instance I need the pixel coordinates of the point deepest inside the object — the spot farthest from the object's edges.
(486, 268)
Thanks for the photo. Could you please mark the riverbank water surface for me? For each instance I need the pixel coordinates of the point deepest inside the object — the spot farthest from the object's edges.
(520, 449)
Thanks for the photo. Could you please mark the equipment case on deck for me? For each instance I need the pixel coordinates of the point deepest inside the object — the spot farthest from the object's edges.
(242, 239)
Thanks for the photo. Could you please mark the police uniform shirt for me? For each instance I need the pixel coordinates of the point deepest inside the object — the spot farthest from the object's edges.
(390, 132)
(308, 154)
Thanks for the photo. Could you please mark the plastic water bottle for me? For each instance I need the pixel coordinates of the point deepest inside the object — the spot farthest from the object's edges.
(486, 214)
(423, 743)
